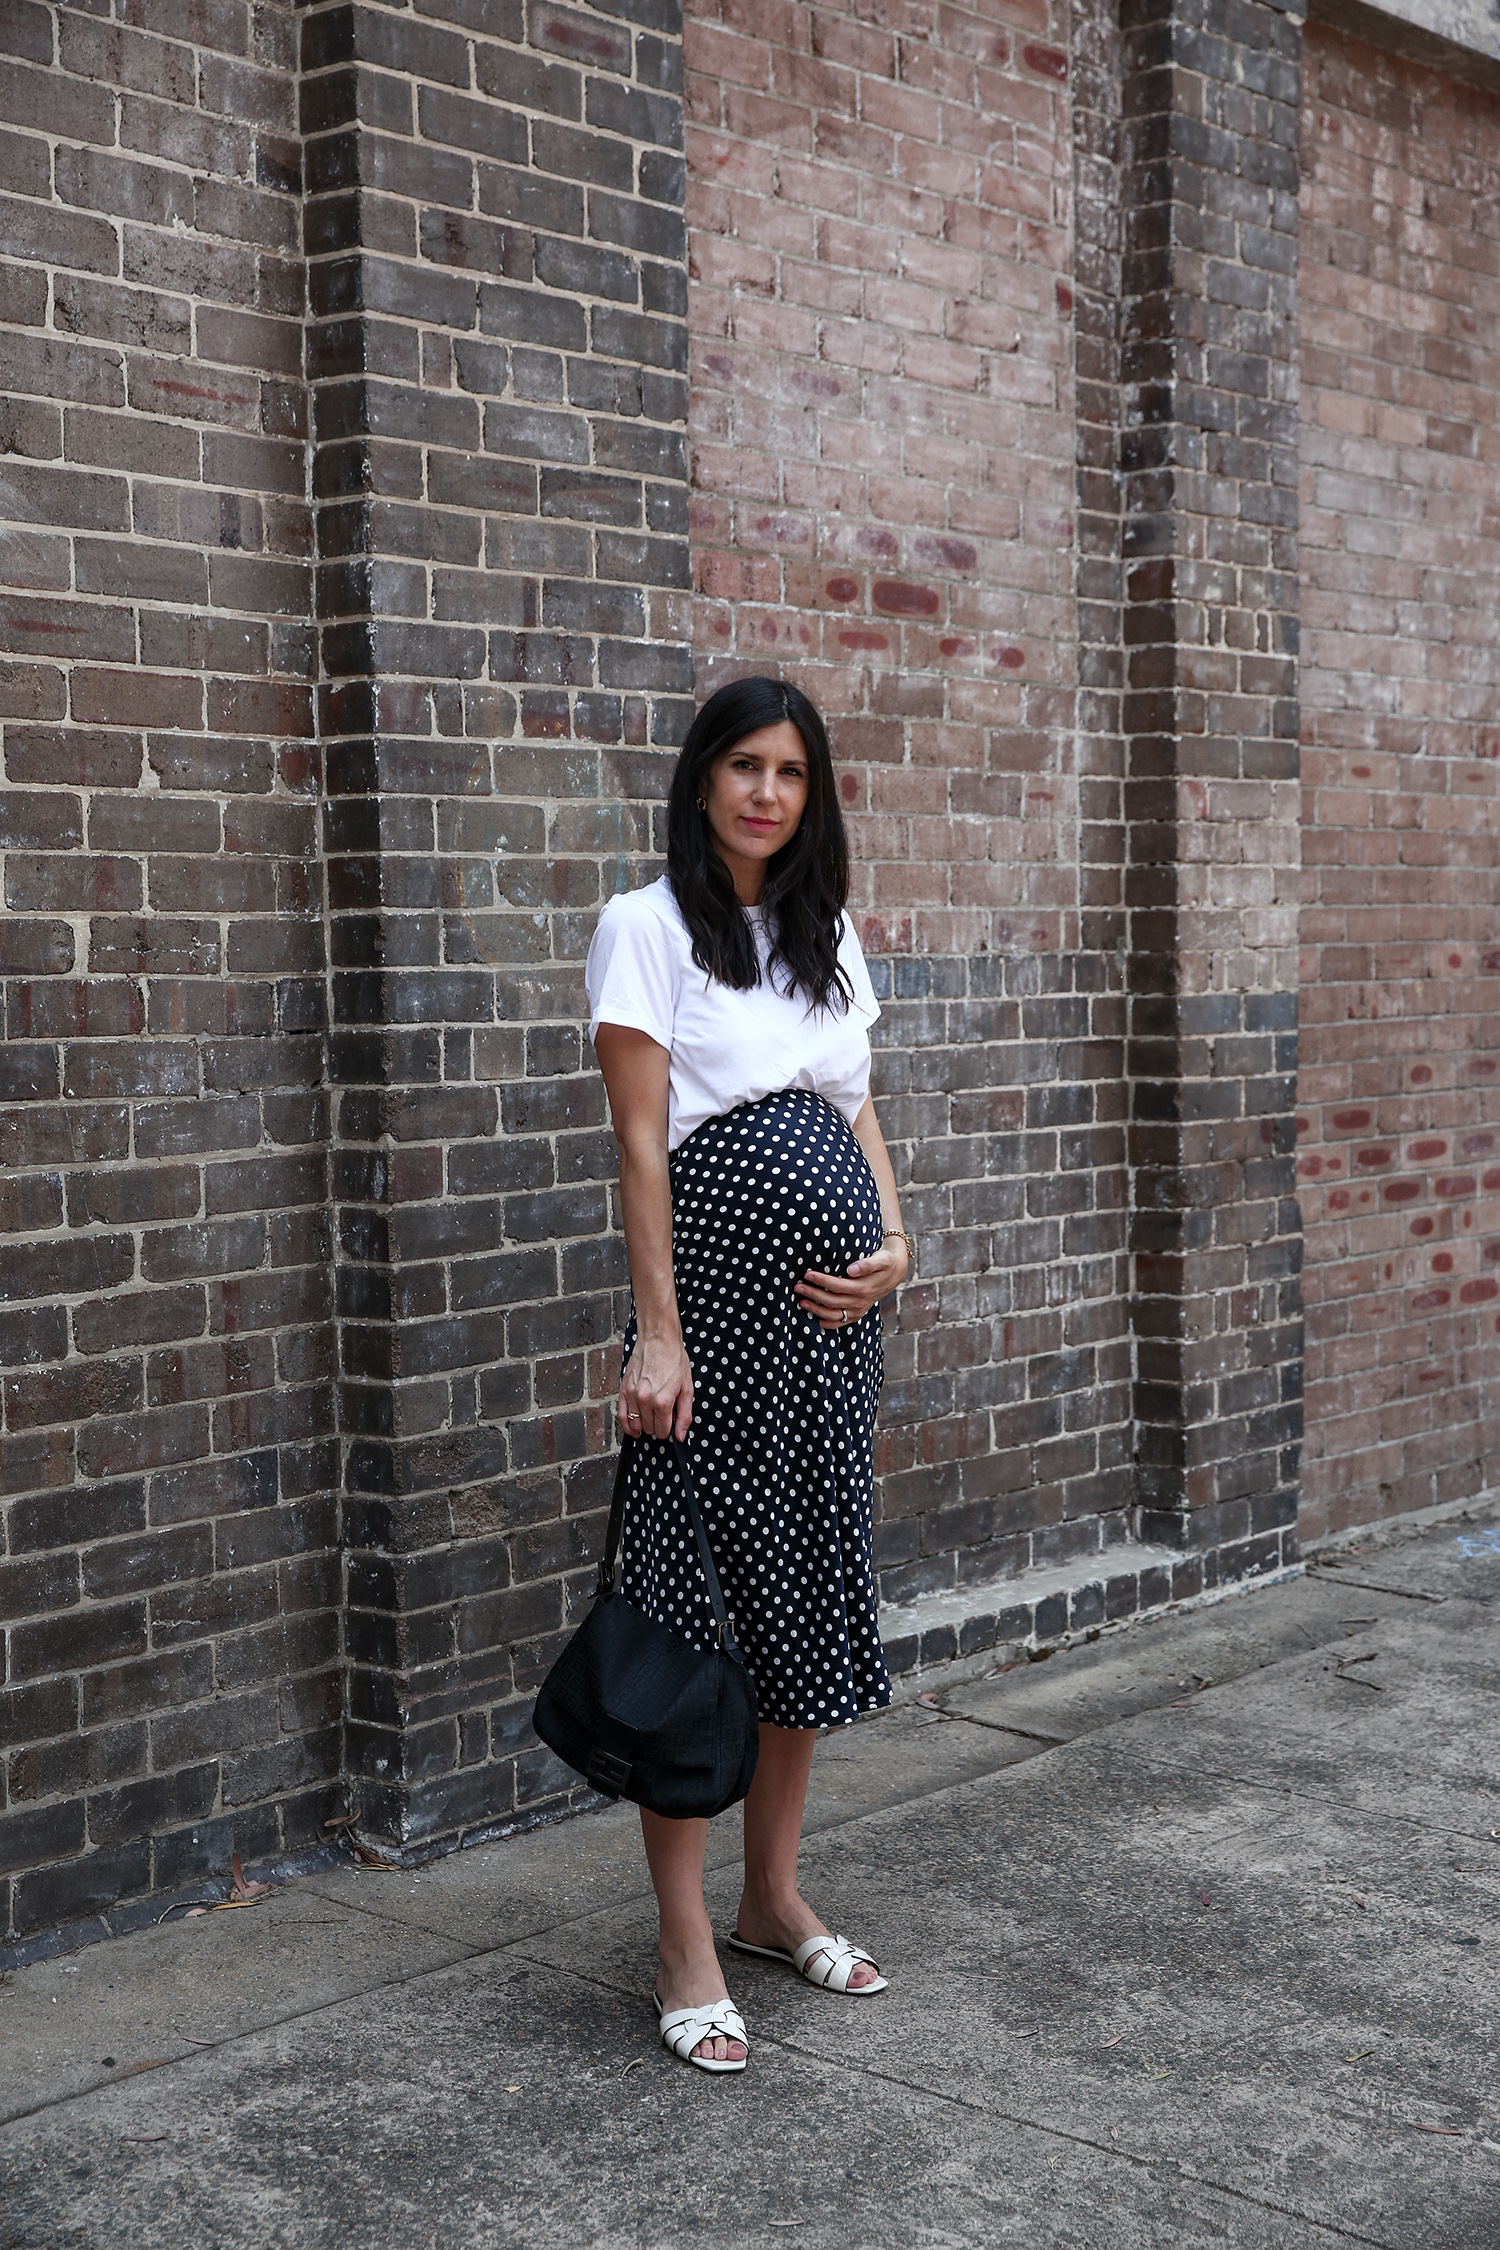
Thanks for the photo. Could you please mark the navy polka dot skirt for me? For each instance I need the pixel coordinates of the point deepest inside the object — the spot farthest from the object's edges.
(783, 1414)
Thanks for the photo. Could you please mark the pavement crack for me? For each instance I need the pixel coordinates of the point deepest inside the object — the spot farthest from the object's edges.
(1086, 2140)
(999, 1726)
(1422, 1822)
(387, 1918)
(1372, 1586)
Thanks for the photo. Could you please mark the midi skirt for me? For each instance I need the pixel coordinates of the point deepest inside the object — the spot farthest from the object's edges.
(781, 1443)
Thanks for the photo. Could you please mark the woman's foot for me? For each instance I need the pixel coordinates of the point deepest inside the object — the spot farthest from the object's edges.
(695, 1981)
(787, 1924)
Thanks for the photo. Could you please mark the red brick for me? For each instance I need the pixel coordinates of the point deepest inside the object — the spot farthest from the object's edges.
(1395, 743)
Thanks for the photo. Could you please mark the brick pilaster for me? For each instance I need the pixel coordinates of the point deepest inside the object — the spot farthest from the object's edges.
(170, 1677)
(1209, 496)
(498, 284)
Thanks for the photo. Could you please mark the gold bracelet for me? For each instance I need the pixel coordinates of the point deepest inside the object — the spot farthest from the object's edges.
(899, 1234)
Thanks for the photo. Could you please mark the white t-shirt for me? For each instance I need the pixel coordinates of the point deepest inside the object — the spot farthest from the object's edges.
(726, 1047)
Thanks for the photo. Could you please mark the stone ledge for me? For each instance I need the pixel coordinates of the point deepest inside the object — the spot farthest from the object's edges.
(1395, 1531)
(1051, 1609)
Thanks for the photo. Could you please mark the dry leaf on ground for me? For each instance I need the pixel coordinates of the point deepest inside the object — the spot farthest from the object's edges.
(245, 1887)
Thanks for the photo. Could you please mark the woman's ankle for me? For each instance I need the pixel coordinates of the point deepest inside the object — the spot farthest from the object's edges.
(680, 1949)
(774, 1904)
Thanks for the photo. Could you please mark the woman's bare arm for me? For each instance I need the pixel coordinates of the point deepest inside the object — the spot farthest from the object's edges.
(870, 1138)
(657, 1384)
(836, 1299)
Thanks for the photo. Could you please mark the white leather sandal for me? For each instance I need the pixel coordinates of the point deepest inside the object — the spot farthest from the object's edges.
(683, 2029)
(824, 1961)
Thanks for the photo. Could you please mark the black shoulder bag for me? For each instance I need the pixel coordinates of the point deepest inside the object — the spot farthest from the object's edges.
(638, 1712)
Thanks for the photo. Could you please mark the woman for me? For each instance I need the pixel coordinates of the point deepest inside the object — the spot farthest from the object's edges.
(730, 1010)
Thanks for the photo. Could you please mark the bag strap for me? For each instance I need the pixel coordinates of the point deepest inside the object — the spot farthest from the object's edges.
(710, 1573)
(617, 1525)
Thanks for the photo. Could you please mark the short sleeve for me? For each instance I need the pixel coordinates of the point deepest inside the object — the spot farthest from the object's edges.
(632, 975)
(864, 1004)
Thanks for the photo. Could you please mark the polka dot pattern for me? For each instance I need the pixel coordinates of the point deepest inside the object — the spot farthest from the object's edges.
(783, 1414)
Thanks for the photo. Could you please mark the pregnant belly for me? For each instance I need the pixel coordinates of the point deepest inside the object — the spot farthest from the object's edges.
(772, 1188)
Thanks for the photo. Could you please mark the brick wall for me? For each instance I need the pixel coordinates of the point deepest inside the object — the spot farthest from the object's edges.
(883, 507)
(169, 1582)
(1399, 1101)
(404, 413)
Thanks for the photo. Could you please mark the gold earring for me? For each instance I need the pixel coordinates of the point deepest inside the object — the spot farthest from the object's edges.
(702, 804)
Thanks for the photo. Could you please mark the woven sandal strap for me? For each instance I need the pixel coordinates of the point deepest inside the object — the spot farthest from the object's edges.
(683, 2029)
(834, 1973)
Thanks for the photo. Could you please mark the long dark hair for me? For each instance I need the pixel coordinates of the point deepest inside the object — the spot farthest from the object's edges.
(807, 881)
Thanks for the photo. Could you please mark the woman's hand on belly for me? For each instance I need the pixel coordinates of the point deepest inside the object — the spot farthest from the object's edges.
(838, 1300)
(656, 1390)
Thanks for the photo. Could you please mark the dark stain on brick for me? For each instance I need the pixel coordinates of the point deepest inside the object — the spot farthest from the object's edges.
(900, 598)
(947, 554)
(1048, 62)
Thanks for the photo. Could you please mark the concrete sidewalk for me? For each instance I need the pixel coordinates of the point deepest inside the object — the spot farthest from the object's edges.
(1192, 1936)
